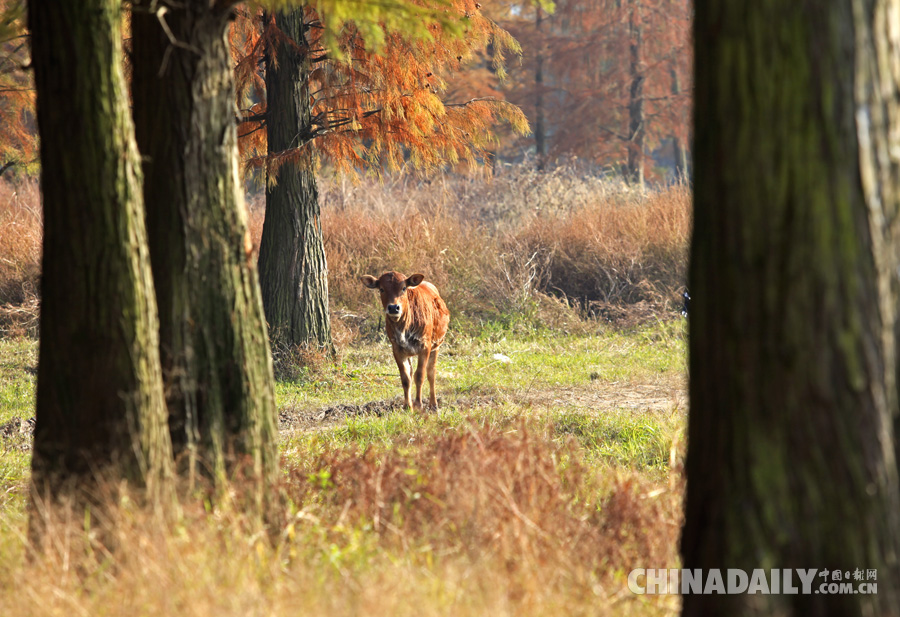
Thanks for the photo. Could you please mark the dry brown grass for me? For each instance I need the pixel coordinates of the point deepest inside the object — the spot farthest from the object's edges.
(546, 248)
(20, 256)
(483, 522)
(513, 498)
(625, 251)
(543, 249)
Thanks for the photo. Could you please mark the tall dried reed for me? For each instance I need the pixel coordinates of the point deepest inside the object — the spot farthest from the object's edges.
(504, 246)
(543, 247)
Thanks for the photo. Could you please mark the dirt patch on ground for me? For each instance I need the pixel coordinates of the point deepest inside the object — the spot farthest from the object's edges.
(17, 433)
(298, 419)
(642, 397)
(301, 419)
(649, 397)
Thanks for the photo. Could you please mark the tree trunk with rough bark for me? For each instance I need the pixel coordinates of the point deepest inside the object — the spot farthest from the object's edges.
(792, 460)
(292, 267)
(100, 411)
(215, 355)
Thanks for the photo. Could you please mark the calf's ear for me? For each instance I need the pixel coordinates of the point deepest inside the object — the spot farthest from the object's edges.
(414, 280)
(369, 281)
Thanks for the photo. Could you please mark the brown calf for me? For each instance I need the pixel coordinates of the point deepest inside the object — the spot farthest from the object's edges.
(416, 323)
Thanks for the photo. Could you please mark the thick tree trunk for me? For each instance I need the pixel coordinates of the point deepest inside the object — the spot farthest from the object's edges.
(215, 355)
(100, 406)
(292, 267)
(635, 162)
(791, 460)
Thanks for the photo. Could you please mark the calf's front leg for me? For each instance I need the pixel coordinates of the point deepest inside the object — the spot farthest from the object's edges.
(420, 376)
(403, 365)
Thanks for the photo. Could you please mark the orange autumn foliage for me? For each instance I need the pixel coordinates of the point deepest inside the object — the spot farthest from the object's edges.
(377, 105)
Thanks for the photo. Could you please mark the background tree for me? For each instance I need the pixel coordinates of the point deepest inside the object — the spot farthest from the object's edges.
(214, 348)
(611, 78)
(365, 93)
(99, 391)
(18, 137)
(540, 131)
(294, 281)
(793, 362)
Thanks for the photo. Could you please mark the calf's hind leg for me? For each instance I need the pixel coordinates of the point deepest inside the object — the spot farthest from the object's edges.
(432, 360)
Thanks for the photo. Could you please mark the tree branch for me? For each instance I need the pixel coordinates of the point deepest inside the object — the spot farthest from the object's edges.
(470, 101)
(259, 128)
(254, 118)
(10, 55)
(613, 133)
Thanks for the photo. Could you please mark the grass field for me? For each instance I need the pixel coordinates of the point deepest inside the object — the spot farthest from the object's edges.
(552, 469)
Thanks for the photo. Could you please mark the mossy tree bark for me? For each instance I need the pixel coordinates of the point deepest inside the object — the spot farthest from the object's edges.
(791, 460)
(292, 266)
(100, 407)
(215, 356)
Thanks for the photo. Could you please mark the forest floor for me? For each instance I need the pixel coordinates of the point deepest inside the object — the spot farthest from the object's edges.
(553, 468)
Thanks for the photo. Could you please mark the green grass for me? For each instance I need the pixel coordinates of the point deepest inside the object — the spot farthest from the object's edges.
(624, 438)
(639, 440)
(566, 380)
(538, 361)
(18, 366)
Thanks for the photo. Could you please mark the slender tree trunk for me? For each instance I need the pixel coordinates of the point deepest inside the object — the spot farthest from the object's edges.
(215, 355)
(100, 406)
(540, 140)
(292, 266)
(635, 162)
(679, 146)
(490, 52)
(791, 460)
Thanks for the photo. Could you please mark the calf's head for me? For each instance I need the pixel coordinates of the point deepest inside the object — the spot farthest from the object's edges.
(393, 286)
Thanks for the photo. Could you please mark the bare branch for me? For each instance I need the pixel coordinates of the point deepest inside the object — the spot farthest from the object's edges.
(253, 118)
(174, 42)
(613, 133)
(470, 101)
(10, 55)
(259, 128)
